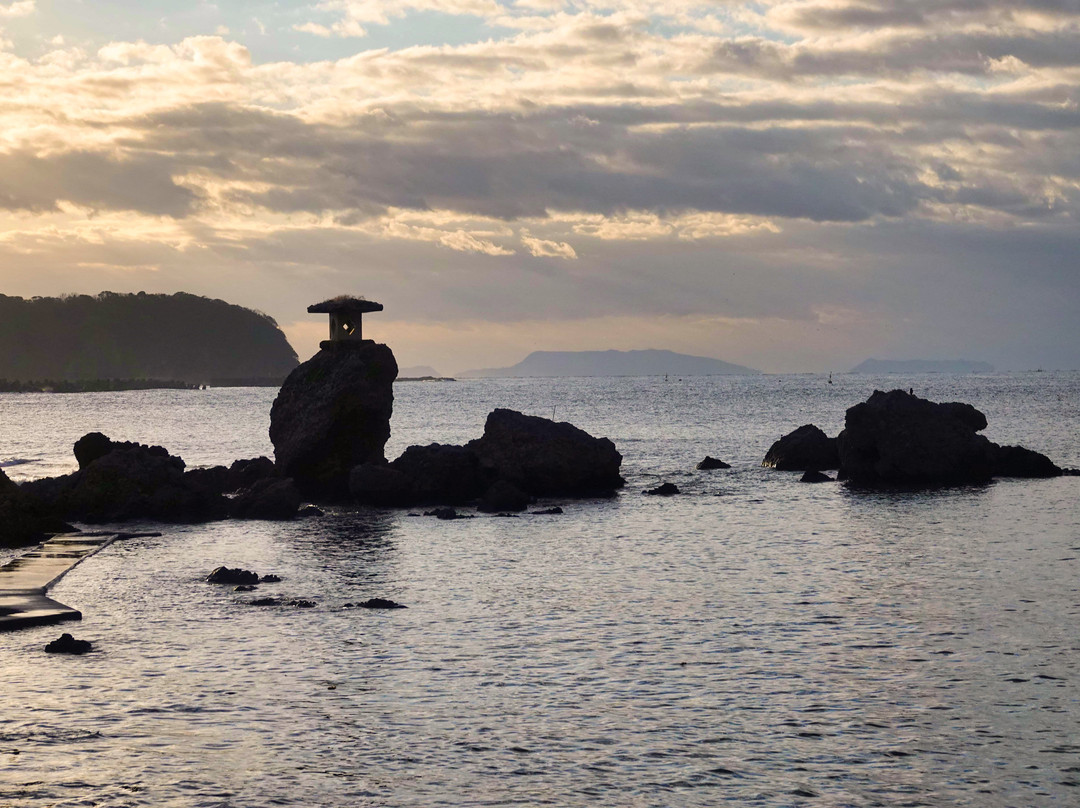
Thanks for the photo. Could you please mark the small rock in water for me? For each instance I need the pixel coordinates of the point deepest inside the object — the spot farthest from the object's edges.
(224, 575)
(665, 490)
(814, 476)
(301, 604)
(244, 588)
(547, 512)
(446, 513)
(66, 644)
(270, 579)
(710, 463)
(310, 510)
(381, 603)
(264, 602)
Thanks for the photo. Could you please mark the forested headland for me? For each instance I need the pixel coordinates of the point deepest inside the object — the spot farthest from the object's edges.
(125, 341)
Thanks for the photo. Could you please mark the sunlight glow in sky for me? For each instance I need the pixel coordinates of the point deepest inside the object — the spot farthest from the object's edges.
(791, 185)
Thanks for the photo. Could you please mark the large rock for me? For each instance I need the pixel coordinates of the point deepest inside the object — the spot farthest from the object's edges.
(441, 474)
(332, 414)
(804, 449)
(271, 499)
(23, 518)
(896, 438)
(129, 481)
(378, 484)
(544, 458)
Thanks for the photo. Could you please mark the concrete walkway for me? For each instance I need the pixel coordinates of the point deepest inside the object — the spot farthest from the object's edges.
(24, 580)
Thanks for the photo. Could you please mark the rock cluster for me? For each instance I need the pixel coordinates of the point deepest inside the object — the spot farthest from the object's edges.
(897, 438)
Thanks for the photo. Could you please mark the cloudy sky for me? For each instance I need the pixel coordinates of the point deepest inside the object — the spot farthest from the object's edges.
(791, 185)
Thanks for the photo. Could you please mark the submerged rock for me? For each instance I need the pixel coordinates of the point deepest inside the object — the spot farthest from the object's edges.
(545, 458)
(66, 644)
(332, 414)
(808, 447)
(446, 513)
(710, 463)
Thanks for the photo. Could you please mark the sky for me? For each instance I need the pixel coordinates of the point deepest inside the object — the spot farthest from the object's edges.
(793, 186)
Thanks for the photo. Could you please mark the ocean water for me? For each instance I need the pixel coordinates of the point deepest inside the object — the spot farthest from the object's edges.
(753, 641)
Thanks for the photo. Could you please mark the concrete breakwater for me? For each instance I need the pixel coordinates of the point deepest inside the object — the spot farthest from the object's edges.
(25, 580)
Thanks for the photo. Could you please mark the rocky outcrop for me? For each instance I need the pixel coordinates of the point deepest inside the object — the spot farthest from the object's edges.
(711, 463)
(332, 414)
(504, 497)
(814, 476)
(441, 474)
(232, 575)
(128, 481)
(545, 458)
(270, 499)
(896, 438)
(1016, 461)
(66, 644)
(805, 448)
(24, 519)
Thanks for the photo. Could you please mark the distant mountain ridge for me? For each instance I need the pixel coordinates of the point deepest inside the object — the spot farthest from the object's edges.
(612, 363)
(922, 366)
(180, 337)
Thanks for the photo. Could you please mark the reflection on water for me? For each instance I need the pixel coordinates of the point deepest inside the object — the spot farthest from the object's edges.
(755, 640)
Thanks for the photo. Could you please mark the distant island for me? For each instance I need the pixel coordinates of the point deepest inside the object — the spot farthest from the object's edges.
(419, 372)
(612, 363)
(83, 342)
(922, 366)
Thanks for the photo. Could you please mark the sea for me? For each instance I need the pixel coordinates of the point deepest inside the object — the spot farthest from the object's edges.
(752, 641)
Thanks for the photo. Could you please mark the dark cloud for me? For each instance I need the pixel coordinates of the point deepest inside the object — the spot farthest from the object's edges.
(141, 182)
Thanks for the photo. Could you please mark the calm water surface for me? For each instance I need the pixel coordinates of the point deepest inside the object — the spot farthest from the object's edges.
(754, 641)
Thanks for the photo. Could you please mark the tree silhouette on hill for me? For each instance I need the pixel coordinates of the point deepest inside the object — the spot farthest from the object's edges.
(179, 337)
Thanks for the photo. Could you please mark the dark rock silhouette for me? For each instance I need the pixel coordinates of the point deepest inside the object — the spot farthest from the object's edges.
(815, 476)
(805, 448)
(504, 497)
(545, 458)
(90, 447)
(710, 463)
(269, 499)
(378, 603)
(379, 484)
(25, 519)
(446, 513)
(129, 481)
(442, 474)
(556, 511)
(332, 414)
(664, 490)
(66, 644)
(227, 575)
(1016, 461)
(899, 438)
